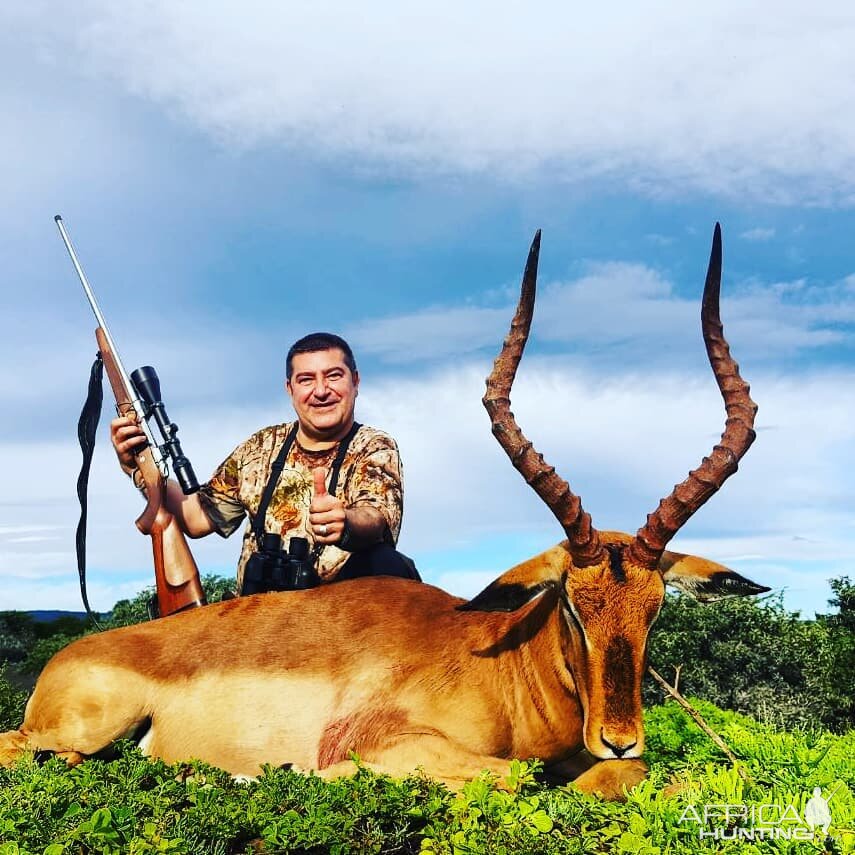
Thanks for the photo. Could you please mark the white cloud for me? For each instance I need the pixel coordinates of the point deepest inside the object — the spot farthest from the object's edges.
(758, 234)
(722, 97)
(620, 311)
(425, 334)
(622, 443)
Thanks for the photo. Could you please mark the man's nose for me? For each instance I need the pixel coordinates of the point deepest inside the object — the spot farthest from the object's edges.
(321, 387)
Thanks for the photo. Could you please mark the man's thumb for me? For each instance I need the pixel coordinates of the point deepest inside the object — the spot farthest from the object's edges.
(320, 476)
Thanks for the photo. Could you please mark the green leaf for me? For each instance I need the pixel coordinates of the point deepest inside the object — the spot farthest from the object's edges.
(542, 821)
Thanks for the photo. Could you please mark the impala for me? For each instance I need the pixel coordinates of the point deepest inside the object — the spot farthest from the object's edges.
(546, 662)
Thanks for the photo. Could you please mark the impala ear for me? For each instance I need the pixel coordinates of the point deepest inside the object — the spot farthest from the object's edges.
(522, 584)
(705, 580)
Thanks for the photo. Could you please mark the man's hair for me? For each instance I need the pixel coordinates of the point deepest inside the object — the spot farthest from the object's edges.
(314, 342)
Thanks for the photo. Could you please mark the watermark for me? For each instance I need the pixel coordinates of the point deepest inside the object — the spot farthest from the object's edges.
(751, 822)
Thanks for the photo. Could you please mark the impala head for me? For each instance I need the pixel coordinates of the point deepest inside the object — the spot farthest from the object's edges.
(610, 586)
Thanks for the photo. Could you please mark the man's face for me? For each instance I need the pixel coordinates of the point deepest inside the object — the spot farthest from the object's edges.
(323, 391)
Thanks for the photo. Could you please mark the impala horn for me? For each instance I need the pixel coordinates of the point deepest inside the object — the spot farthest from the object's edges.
(674, 510)
(584, 542)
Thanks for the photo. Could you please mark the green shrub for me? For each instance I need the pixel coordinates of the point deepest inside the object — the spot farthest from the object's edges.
(39, 642)
(12, 701)
(44, 649)
(755, 657)
(133, 805)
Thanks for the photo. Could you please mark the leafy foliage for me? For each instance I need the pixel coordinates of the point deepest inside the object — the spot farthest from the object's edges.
(37, 642)
(755, 657)
(133, 805)
(19, 631)
(12, 702)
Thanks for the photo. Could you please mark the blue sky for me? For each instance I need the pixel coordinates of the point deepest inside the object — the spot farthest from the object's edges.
(234, 177)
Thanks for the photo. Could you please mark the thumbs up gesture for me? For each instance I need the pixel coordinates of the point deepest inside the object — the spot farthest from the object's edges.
(326, 512)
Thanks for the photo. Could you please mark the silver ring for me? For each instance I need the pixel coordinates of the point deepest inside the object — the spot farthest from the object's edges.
(323, 529)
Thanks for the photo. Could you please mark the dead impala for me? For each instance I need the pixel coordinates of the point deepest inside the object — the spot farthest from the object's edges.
(546, 662)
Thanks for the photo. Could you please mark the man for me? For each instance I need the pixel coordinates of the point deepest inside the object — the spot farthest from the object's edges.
(352, 524)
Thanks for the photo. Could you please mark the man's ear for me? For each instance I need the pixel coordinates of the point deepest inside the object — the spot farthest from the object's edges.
(523, 583)
(705, 580)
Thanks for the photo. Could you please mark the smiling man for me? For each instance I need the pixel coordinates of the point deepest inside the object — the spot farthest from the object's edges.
(324, 477)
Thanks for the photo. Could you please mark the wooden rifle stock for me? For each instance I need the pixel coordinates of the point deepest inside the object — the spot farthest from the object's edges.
(175, 571)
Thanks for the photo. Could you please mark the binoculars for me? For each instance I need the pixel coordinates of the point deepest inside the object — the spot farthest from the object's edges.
(273, 569)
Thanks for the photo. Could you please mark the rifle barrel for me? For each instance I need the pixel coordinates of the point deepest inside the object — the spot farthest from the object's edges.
(134, 401)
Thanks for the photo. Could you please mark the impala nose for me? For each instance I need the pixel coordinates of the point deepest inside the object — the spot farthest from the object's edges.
(619, 750)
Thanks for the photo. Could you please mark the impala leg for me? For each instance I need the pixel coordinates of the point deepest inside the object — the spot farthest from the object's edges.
(75, 718)
(608, 778)
(448, 762)
(563, 772)
(13, 743)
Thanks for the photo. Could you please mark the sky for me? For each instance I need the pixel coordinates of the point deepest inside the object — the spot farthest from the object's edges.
(237, 175)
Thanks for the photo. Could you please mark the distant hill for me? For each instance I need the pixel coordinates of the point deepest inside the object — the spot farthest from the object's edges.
(48, 615)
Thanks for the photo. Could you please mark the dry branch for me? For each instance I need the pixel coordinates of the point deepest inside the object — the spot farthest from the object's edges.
(674, 693)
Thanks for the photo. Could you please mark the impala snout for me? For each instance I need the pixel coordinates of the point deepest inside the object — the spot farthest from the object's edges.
(614, 729)
(622, 744)
(620, 749)
(610, 611)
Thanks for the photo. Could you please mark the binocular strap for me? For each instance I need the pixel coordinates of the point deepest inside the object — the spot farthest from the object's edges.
(279, 465)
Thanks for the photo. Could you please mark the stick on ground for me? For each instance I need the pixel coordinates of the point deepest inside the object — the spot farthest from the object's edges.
(672, 691)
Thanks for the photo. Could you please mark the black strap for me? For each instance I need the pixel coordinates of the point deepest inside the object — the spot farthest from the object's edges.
(86, 429)
(279, 465)
(339, 458)
(267, 495)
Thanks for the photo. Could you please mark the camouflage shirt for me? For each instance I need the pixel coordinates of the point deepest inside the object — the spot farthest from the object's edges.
(370, 476)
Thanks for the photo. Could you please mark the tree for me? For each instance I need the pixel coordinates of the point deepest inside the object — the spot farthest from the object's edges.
(755, 657)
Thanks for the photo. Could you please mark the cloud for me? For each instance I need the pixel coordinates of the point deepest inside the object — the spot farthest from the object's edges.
(619, 311)
(717, 97)
(427, 333)
(758, 234)
(622, 442)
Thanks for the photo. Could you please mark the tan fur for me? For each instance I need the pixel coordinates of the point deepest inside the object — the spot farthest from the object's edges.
(389, 669)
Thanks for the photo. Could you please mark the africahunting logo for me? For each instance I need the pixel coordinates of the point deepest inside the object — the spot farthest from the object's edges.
(762, 821)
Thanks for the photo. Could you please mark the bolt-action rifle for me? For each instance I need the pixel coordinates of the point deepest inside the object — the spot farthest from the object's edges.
(138, 395)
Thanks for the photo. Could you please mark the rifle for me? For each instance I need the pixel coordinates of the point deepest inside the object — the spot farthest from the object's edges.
(175, 571)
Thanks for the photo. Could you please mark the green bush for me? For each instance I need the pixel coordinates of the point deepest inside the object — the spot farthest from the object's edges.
(17, 634)
(12, 702)
(134, 805)
(44, 649)
(755, 657)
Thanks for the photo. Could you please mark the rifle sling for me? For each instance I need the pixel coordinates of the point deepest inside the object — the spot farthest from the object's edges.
(86, 429)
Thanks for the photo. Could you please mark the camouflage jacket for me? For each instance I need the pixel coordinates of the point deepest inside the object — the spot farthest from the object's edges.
(370, 476)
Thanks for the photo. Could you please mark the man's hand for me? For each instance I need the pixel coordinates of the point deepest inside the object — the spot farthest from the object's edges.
(128, 439)
(326, 513)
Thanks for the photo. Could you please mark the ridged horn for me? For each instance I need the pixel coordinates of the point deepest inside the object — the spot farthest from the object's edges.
(674, 510)
(584, 542)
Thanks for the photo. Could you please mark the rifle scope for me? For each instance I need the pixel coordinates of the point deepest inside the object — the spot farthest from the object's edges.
(147, 385)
